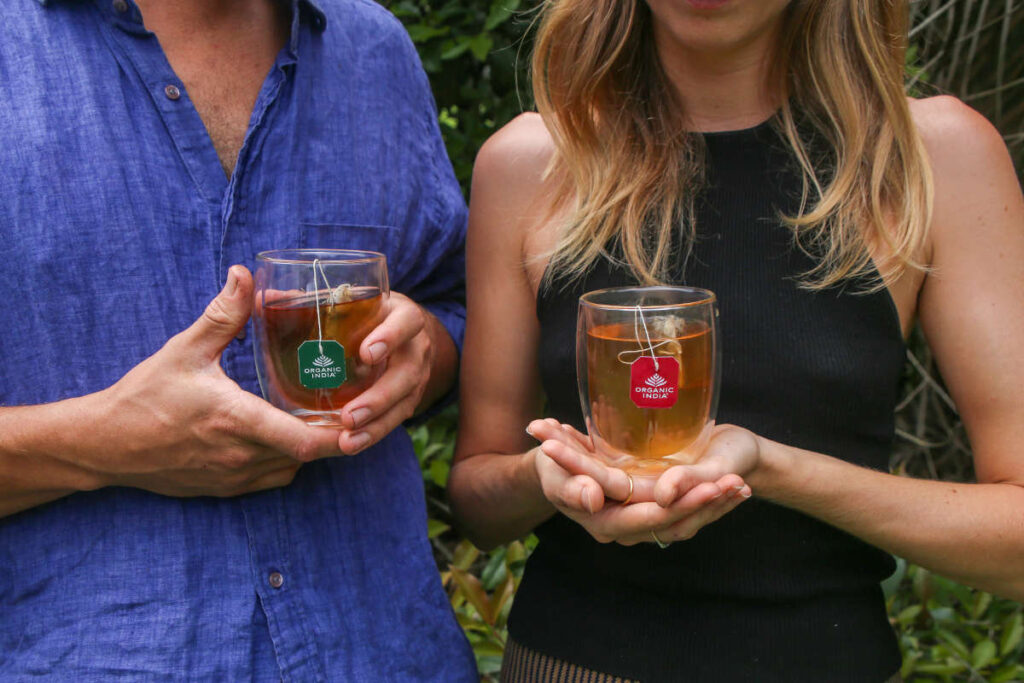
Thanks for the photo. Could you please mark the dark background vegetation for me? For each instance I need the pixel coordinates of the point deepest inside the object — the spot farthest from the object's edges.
(476, 53)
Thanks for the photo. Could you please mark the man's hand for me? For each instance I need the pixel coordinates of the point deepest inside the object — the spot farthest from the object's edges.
(406, 341)
(177, 425)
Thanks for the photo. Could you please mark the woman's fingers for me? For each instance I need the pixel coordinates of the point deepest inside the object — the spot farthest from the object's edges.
(582, 439)
(615, 482)
(630, 522)
(676, 481)
(687, 527)
(572, 494)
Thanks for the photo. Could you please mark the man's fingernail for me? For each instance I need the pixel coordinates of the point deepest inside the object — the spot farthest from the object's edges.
(528, 430)
(359, 416)
(746, 494)
(377, 350)
(232, 284)
(359, 440)
(587, 505)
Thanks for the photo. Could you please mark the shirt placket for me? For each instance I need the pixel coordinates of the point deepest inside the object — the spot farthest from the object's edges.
(279, 585)
(279, 589)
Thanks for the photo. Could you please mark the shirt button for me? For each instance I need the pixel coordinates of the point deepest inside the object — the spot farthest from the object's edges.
(241, 335)
(120, 6)
(172, 92)
(276, 580)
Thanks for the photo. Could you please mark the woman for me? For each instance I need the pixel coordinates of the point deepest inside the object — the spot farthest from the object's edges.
(762, 149)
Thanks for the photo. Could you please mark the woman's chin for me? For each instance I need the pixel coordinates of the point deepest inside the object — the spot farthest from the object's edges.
(707, 4)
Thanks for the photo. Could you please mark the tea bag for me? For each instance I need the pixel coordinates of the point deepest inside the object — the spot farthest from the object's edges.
(667, 326)
(341, 294)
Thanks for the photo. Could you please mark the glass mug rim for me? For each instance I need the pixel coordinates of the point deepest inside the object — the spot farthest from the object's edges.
(307, 256)
(707, 297)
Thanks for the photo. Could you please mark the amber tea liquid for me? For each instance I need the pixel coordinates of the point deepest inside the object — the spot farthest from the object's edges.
(649, 434)
(291, 322)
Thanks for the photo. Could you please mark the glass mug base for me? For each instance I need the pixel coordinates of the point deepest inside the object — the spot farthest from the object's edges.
(319, 418)
(652, 467)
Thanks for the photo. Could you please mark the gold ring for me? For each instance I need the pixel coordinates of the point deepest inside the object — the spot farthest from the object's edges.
(661, 544)
(630, 496)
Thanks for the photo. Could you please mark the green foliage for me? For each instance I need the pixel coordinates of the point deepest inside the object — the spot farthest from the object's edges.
(948, 632)
(475, 56)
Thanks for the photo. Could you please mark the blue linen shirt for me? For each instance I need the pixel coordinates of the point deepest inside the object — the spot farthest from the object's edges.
(117, 226)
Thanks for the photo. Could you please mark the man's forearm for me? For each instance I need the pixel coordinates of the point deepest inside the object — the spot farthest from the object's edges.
(32, 441)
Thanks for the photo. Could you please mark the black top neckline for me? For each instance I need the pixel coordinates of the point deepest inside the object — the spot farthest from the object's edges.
(739, 132)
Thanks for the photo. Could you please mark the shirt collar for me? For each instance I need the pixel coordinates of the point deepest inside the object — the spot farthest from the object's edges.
(300, 8)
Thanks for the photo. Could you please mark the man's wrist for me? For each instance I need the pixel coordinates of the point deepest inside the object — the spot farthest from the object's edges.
(444, 359)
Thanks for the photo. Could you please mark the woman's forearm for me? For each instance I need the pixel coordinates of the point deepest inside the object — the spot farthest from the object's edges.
(972, 533)
(497, 498)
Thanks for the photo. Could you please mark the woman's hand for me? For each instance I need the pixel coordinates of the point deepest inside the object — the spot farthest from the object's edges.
(613, 506)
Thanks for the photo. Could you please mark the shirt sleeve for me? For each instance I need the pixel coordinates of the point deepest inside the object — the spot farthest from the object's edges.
(433, 271)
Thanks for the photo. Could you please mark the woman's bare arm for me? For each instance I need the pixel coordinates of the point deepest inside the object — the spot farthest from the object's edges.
(494, 487)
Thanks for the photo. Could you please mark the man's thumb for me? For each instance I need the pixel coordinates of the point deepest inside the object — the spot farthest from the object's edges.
(224, 317)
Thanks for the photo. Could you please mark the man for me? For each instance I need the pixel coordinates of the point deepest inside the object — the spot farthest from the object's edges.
(157, 519)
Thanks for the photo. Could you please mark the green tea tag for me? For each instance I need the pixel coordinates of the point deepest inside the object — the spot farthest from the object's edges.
(322, 364)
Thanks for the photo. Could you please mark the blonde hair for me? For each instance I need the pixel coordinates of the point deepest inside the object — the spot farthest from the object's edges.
(626, 169)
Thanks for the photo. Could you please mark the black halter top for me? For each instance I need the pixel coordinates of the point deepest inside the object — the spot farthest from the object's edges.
(765, 593)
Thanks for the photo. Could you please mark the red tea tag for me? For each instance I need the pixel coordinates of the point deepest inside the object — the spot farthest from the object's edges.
(650, 388)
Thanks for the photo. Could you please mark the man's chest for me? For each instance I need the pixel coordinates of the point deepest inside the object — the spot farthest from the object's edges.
(224, 91)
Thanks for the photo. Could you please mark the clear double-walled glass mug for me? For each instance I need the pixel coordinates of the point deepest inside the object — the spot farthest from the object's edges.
(312, 309)
(648, 372)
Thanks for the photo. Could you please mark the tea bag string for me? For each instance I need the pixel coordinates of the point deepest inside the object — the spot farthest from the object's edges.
(639, 313)
(316, 302)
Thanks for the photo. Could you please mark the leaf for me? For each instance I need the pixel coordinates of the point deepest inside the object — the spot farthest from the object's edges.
(922, 584)
(908, 614)
(474, 593)
(480, 45)
(954, 641)
(983, 654)
(500, 12)
(1010, 672)
(421, 33)
(465, 555)
(1013, 631)
(502, 594)
(940, 669)
(908, 664)
(436, 527)
(515, 552)
(891, 584)
(488, 664)
(981, 602)
(489, 648)
(494, 571)
(453, 48)
(439, 470)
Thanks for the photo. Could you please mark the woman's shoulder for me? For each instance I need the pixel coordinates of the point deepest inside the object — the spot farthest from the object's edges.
(517, 154)
(955, 135)
(510, 178)
(975, 184)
